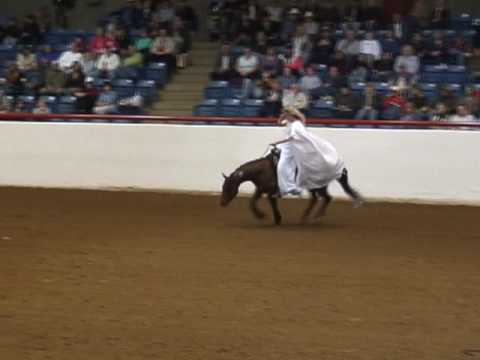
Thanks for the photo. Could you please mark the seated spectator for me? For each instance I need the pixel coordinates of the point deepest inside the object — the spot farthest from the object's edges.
(394, 105)
(333, 81)
(54, 80)
(300, 43)
(273, 99)
(460, 49)
(186, 13)
(339, 60)
(349, 45)
(20, 106)
(371, 48)
(163, 50)
(311, 26)
(247, 69)
(384, 67)
(13, 81)
(472, 100)
(474, 64)
(440, 17)
(346, 104)
(446, 96)
(75, 80)
(107, 64)
(421, 103)
(440, 112)
(462, 115)
(46, 55)
(271, 63)
(261, 44)
(310, 83)
(131, 105)
(437, 52)
(86, 97)
(390, 44)
(98, 44)
(274, 13)
(144, 43)
(408, 60)
(26, 60)
(107, 101)
(402, 80)
(70, 57)
(295, 98)
(89, 64)
(122, 41)
(418, 45)
(31, 33)
(224, 65)
(132, 15)
(165, 14)
(130, 64)
(369, 105)
(287, 79)
(34, 79)
(399, 28)
(321, 50)
(410, 112)
(360, 73)
(41, 107)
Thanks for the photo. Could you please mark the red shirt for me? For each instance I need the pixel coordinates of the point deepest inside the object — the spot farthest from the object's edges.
(98, 44)
(395, 100)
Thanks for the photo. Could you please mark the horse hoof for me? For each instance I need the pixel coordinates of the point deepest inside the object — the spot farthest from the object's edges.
(278, 222)
(259, 216)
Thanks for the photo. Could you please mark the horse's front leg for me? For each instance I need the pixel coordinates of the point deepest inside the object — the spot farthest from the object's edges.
(276, 213)
(323, 192)
(311, 205)
(253, 205)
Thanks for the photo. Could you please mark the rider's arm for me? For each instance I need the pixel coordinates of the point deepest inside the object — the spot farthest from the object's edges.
(281, 141)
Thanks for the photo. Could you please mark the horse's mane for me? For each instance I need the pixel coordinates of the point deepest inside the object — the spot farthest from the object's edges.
(254, 162)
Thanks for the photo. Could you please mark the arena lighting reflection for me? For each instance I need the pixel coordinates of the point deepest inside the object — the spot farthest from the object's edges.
(201, 120)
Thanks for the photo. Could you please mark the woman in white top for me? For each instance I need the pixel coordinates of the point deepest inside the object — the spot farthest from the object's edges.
(315, 161)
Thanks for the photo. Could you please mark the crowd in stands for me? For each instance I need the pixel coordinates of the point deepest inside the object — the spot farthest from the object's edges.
(87, 66)
(360, 62)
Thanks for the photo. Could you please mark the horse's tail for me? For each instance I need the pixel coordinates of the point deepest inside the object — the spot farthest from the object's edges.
(345, 184)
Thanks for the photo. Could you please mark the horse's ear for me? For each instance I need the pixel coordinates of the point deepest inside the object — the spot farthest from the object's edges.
(224, 176)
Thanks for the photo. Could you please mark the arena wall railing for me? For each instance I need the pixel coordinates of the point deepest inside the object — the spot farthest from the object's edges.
(394, 160)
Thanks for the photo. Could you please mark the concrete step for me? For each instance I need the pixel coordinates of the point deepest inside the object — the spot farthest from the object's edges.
(206, 45)
(178, 97)
(185, 86)
(192, 77)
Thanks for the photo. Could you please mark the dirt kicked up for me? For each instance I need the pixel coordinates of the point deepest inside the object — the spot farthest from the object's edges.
(112, 275)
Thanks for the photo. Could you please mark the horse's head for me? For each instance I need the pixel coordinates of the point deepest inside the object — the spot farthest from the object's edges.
(230, 187)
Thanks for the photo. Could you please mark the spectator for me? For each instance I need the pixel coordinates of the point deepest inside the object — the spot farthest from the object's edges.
(273, 99)
(13, 81)
(70, 57)
(399, 29)
(122, 41)
(394, 105)
(462, 115)
(446, 96)
(130, 64)
(132, 15)
(440, 113)
(349, 45)
(41, 107)
(98, 44)
(271, 63)
(26, 60)
(224, 65)
(107, 101)
(163, 50)
(165, 14)
(474, 64)
(333, 81)
(31, 33)
(390, 44)
(321, 50)
(107, 64)
(311, 26)
(346, 103)
(247, 65)
(131, 105)
(187, 15)
(370, 104)
(89, 64)
(437, 52)
(402, 80)
(409, 60)
(295, 98)
(86, 97)
(274, 13)
(75, 80)
(61, 8)
(54, 80)
(472, 100)
(440, 17)
(46, 55)
(360, 73)
(144, 43)
(384, 68)
(421, 103)
(310, 83)
(371, 48)
(183, 43)
(410, 112)
(287, 79)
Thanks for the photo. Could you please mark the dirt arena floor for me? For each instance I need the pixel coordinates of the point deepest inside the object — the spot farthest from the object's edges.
(110, 275)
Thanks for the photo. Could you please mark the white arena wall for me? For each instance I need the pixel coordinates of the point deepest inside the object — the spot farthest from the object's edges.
(402, 165)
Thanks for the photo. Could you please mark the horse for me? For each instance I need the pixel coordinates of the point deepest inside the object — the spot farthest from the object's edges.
(262, 173)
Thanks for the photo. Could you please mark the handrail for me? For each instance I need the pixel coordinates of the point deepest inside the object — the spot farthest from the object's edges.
(28, 117)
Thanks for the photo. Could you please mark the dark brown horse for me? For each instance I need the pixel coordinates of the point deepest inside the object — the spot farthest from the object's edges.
(263, 174)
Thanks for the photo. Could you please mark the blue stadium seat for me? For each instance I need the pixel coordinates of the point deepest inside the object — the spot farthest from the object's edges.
(148, 90)
(207, 107)
(218, 90)
(252, 107)
(124, 87)
(462, 22)
(156, 72)
(383, 88)
(7, 53)
(51, 102)
(231, 107)
(66, 105)
(457, 89)
(430, 90)
(358, 88)
(457, 74)
(322, 109)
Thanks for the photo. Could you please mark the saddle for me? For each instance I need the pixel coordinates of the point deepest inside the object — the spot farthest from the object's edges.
(275, 157)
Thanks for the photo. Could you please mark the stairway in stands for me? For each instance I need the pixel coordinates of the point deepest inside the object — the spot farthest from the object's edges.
(185, 90)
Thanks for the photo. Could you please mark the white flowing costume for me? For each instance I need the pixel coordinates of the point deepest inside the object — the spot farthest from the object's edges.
(316, 161)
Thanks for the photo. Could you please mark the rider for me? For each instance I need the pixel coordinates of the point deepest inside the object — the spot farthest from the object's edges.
(315, 161)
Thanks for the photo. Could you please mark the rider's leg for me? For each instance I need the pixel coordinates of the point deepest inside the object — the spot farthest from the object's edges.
(286, 172)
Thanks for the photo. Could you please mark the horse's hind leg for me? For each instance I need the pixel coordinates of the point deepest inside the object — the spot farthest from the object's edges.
(313, 201)
(276, 213)
(355, 195)
(326, 200)
(253, 205)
